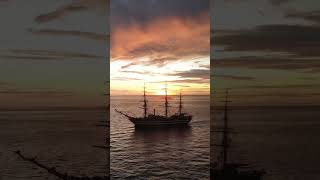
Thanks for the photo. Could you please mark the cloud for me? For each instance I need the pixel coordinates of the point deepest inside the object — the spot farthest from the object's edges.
(59, 13)
(189, 76)
(233, 77)
(125, 79)
(313, 16)
(75, 33)
(187, 81)
(28, 57)
(162, 40)
(252, 62)
(286, 86)
(126, 13)
(134, 72)
(4, 85)
(75, 6)
(300, 41)
(179, 85)
(153, 60)
(38, 54)
(193, 73)
(54, 53)
(159, 36)
(10, 89)
(36, 92)
(285, 96)
(307, 78)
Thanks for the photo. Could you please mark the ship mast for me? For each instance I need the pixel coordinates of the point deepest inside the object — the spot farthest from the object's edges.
(145, 101)
(225, 139)
(180, 104)
(166, 101)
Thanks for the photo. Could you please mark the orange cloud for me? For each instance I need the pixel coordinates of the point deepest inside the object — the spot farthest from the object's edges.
(162, 39)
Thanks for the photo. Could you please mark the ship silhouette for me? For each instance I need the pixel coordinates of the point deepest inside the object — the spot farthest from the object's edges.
(222, 169)
(154, 120)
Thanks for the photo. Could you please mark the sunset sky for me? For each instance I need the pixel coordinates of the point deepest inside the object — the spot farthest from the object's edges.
(57, 52)
(266, 51)
(53, 53)
(159, 41)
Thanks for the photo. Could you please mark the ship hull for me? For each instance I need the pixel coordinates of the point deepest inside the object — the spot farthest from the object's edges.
(247, 175)
(234, 173)
(159, 121)
(237, 177)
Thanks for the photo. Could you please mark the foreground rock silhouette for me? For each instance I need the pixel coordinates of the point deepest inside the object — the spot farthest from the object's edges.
(53, 171)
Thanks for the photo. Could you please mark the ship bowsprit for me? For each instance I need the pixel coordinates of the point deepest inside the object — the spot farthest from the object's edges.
(154, 120)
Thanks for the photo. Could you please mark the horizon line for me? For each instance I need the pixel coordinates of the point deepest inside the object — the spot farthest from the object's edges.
(160, 95)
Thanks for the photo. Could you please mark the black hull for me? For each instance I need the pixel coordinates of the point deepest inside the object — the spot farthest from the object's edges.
(236, 177)
(236, 174)
(159, 121)
(136, 125)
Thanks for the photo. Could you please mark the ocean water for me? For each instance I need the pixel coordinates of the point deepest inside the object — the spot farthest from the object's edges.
(174, 153)
(59, 138)
(284, 141)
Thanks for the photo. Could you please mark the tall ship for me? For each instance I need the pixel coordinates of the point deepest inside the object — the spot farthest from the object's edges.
(222, 169)
(154, 120)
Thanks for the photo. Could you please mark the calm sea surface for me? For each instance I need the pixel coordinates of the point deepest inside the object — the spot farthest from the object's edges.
(284, 141)
(62, 139)
(173, 153)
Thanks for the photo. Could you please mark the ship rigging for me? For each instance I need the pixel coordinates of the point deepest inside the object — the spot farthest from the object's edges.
(177, 119)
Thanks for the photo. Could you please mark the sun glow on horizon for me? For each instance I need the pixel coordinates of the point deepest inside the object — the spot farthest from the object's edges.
(172, 50)
(177, 74)
(161, 93)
